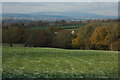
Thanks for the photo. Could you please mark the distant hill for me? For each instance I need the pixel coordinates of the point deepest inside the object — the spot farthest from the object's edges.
(53, 16)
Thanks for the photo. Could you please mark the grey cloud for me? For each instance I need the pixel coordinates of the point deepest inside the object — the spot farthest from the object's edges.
(106, 8)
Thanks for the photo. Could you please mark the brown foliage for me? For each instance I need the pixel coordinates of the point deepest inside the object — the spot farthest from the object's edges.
(63, 39)
(12, 35)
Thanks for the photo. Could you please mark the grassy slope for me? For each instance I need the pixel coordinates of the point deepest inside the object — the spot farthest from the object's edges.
(51, 62)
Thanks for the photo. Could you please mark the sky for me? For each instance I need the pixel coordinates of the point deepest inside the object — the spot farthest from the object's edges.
(101, 8)
(60, 0)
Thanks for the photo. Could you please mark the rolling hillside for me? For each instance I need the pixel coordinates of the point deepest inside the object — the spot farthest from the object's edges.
(58, 63)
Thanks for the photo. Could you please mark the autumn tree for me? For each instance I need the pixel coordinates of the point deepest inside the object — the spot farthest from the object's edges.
(51, 32)
(12, 35)
(37, 38)
(101, 36)
(82, 41)
(105, 35)
(63, 39)
(116, 45)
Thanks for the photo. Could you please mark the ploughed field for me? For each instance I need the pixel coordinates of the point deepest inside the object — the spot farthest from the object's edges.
(20, 62)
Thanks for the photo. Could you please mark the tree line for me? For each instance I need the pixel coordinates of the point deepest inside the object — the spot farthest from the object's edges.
(92, 36)
(54, 23)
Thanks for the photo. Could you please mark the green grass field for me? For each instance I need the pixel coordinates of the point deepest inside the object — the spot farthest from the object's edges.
(63, 27)
(20, 62)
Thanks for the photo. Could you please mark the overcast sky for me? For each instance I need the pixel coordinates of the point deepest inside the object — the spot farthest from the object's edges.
(60, 0)
(102, 8)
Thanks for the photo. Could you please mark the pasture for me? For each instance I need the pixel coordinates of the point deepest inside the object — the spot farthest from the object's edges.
(20, 62)
(63, 27)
